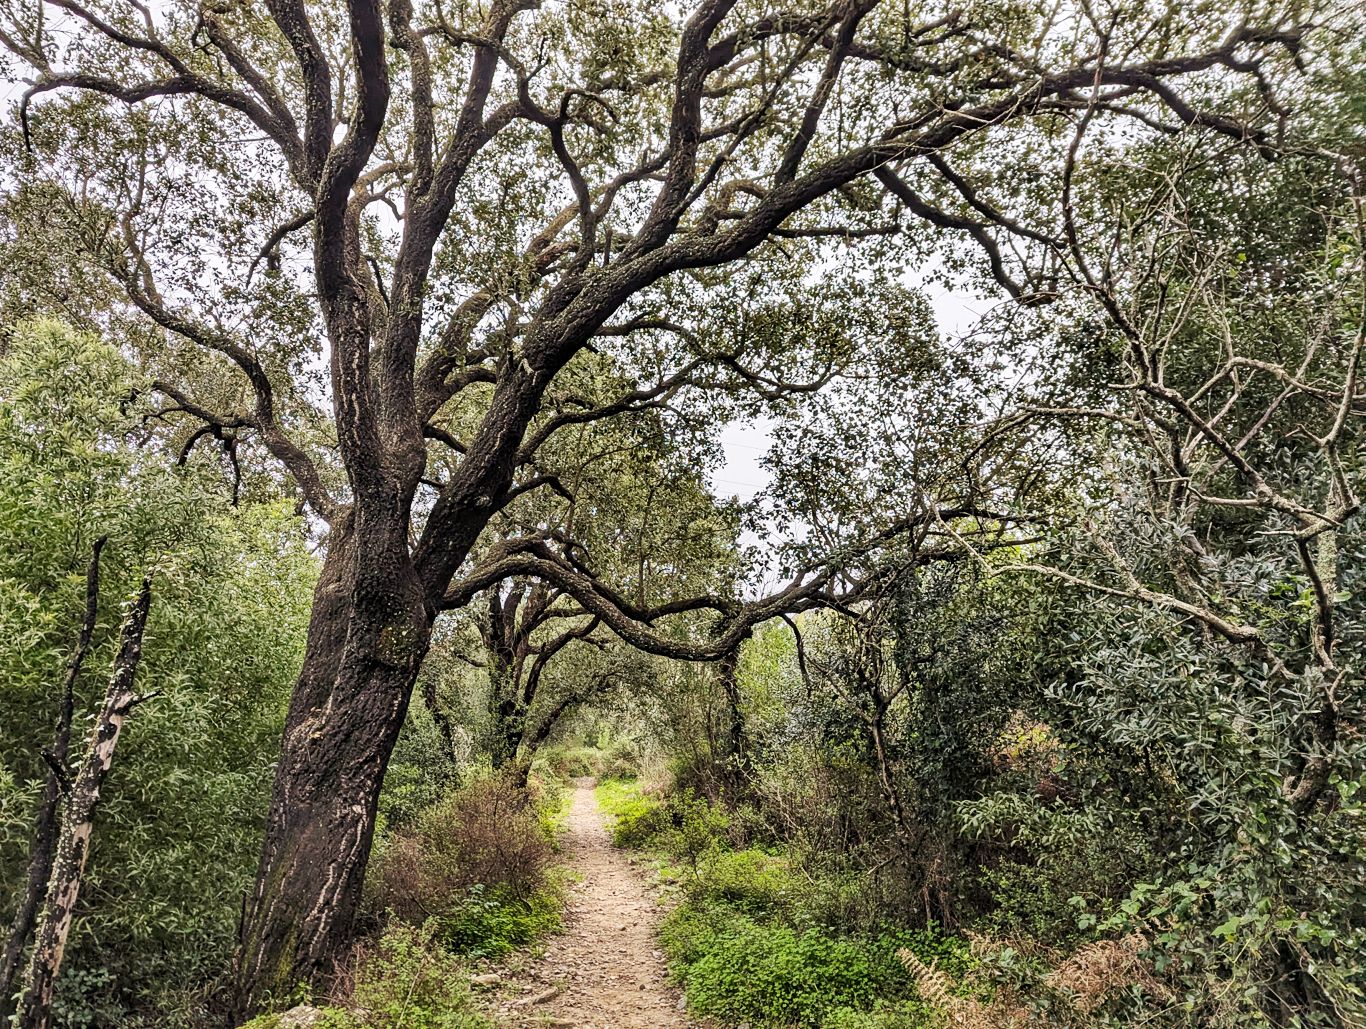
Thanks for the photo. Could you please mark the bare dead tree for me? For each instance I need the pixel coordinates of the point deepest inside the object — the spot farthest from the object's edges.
(78, 822)
(47, 820)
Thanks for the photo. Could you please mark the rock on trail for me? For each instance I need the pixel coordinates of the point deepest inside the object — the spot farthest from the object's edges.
(604, 971)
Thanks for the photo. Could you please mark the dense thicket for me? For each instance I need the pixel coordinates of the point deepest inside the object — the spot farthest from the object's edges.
(509, 204)
(181, 813)
(1123, 757)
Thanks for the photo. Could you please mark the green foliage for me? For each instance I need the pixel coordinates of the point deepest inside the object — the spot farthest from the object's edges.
(1249, 907)
(750, 881)
(774, 976)
(420, 773)
(489, 923)
(638, 820)
(572, 762)
(909, 1014)
(1127, 748)
(611, 757)
(1094, 854)
(407, 981)
(87, 996)
(683, 824)
(748, 943)
(474, 868)
(696, 829)
(739, 969)
(177, 833)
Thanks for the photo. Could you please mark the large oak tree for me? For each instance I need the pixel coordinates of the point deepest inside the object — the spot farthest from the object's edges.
(447, 208)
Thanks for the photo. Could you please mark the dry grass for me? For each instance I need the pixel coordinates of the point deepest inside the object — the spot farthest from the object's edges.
(1099, 969)
(961, 1012)
(1080, 984)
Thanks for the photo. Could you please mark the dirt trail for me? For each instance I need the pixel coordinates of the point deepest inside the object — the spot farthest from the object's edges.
(605, 970)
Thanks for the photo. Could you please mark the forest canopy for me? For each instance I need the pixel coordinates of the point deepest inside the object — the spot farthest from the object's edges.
(365, 373)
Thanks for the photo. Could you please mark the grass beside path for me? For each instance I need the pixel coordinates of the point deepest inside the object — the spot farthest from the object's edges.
(753, 939)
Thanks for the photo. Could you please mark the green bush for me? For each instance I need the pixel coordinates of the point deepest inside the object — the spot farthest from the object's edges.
(750, 881)
(696, 830)
(638, 821)
(611, 759)
(1033, 902)
(683, 824)
(570, 762)
(739, 969)
(178, 831)
(407, 981)
(551, 802)
(909, 1014)
(620, 759)
(739, 947)
(484, 923)
(475, 867)
(748, 945)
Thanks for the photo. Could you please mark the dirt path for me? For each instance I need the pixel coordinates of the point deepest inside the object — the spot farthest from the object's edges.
(605, 970)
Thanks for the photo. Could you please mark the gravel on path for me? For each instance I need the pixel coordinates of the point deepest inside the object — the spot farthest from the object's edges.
(605, 969)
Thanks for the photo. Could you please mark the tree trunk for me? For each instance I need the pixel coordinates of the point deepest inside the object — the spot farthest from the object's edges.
(369, 631)
(505, 643)
(530, 742)
(734, 763)
(73, 846)
(509, 726)
(45, 823)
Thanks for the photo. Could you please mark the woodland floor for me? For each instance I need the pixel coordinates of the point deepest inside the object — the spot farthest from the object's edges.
(605, 969)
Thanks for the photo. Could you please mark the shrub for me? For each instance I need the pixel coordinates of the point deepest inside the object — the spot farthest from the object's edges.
(487, 834)
(409, 981)
(743, 970)
(620, 759)
(551, 802)
(179, 824)
(909, 1014)
(1060, 855)
(749, 880)
(1033, 901)
(474, 869)
(638, 821)
(570, 762)
(747, 948)
(484, 923)
(406, 981)
(697, 829)
(685, 825)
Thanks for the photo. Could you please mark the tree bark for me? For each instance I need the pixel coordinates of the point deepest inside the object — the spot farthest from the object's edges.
(506, 631)
(531, 742)
(509, 726)
(46, 821)
(369, 632)
(734, 763)
(73, 846)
